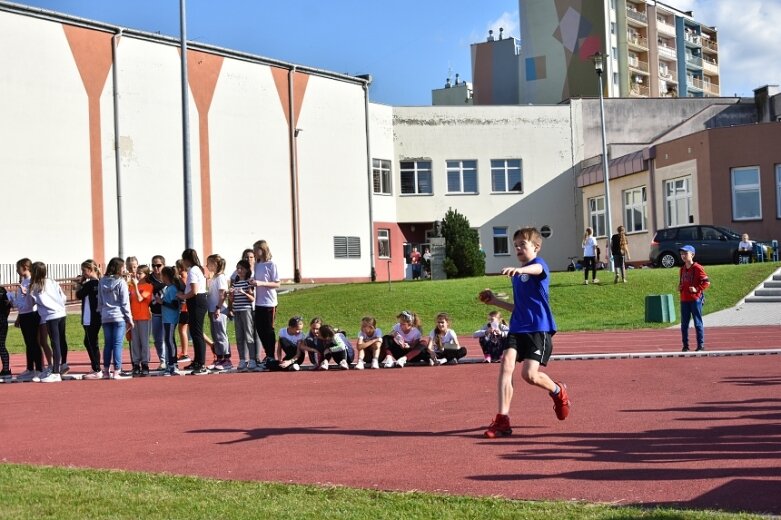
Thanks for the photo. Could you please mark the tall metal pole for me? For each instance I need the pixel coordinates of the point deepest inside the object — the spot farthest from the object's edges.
(188, 186)
(598, 64)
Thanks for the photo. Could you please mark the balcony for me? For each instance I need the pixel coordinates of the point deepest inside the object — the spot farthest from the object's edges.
(668, 52)
(637, 65)
(665, 28)
(637, 42)
(636, 90)
(710, 66)
(692, 39)
(668, 75)
(693, 83)
(694, 61)
(636, 16)
(710, 88)
(709, 45)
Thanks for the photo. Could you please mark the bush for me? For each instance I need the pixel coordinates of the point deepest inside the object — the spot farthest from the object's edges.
(463, 257)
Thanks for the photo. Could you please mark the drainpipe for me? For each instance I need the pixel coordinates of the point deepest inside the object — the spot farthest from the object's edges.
(294, 177)
(117, 159)
(372, 267)
(652, 185)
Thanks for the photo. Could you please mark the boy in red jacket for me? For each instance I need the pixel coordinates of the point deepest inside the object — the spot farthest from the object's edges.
(693, 281)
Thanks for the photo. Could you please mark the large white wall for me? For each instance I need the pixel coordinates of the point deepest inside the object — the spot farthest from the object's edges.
(540, 136)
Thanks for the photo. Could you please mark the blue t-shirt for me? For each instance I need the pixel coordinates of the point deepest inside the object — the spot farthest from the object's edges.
(531, 309)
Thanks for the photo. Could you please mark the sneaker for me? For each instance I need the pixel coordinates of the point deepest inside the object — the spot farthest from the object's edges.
(595, 280)
(64, 369)
(226, 364)
(585, 282)
(43, 374)
(215, 365)
(121, 374)
(401, 361)
(700, 348)
(93, 375)
(624, 280)
(5, 373)
(324, 365)
(183, 359)
(441, 361)
(242, 366)
(561, 402)
(685, 349)
(27, 375)
(136, 371)
(106, 373)
(266, 360)
(191, 366)
(144, 370)
(171, 371)
(162, 367)
(252, 366)
(51, 378)
(388, 363)
(360, 365)
(487, 359)
(500, 427)
(452, 361)
(375, 363)
(343, 365)
(199, 371)
(295, 367)
(431, 362)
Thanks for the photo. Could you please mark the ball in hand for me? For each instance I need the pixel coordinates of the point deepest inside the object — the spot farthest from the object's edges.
(485, 295)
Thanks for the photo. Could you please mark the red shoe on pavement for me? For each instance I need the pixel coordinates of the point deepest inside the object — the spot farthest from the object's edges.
(499, 428)
(561, 402)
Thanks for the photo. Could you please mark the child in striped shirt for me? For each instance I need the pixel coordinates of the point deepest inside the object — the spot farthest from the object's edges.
(242, 299)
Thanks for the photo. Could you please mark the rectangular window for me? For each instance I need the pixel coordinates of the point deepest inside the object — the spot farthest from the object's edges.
(381, 176)
(677, 201)
(383, 243)
(347, 247)
(778, 190)
(501, 241)
(461, 176)
(635, 209)
(506, 176)
(596, 216)
(415, 177)
(746, 200)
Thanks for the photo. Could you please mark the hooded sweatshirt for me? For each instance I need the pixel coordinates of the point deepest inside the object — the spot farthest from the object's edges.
(50, 301)
(113, 300)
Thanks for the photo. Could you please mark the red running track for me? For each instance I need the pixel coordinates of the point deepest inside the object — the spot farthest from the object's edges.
(700, 432)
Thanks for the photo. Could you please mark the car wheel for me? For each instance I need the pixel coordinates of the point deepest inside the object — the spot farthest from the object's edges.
(667, 260)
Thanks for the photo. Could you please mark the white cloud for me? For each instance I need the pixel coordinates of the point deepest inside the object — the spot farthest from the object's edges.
(749, 54)
(507, 21)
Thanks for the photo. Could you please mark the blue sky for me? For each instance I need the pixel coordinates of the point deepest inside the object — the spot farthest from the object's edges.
(409, 46)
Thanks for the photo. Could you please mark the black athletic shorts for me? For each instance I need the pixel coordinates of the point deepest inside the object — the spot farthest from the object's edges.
(537, 346)
(183, 318)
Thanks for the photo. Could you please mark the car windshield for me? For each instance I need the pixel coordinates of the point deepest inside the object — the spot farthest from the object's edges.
(730, 233)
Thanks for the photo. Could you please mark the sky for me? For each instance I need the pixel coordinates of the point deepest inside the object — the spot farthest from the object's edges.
(411, 47)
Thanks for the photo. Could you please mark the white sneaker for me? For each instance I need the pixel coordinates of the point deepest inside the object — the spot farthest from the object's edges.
(360, 365)
(162, 367)
(441, 361)
(118, 375)
(296, 367)
(343, 365)
(431, 362)
(93, 375)
(324, 365)
(375, 363)
(388, 363)
(51, 378)
(401, 361)
(43, 374)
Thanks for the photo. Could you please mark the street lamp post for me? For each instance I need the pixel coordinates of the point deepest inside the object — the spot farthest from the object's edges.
(598, 60)
(187, 177)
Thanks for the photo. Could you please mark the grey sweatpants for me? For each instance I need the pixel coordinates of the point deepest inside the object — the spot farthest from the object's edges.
(245, 335)
(139, 342)
(219, 330)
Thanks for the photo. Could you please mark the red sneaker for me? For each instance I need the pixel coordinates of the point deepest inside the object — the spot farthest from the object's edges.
(499, 428)
(561, 402)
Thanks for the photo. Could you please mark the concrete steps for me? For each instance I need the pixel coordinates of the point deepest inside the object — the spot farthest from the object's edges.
(768, 292)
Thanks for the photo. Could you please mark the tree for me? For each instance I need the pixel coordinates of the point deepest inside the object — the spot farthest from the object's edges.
(463, 257)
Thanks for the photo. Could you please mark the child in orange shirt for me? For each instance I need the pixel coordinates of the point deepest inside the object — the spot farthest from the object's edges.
(140, 297)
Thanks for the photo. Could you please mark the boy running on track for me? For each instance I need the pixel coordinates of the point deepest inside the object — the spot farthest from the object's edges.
(531, 328)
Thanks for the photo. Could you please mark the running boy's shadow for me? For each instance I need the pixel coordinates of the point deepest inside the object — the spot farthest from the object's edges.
(256, 434)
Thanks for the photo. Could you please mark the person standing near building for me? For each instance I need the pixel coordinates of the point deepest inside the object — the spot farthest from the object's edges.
(87, 292)
(692, 284)
(590, 255)
(266, 282)
(619, 248)
(417, 267)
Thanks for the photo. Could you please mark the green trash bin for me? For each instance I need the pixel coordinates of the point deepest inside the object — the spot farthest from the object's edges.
(659, 308)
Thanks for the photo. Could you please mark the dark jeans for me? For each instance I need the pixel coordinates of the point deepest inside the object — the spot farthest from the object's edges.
(290, 349)
(495, 349)
(691, 310)
(589, 263)
(56, 331)
(390, 347)
(91, 333)
(29, 322)
(169, 340)
(264, 325)
(196, 308)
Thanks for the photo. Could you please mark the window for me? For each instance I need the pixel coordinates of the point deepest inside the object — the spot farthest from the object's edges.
(381, 176)
(746, 203)
(635, 209)
(596, 215)
(778, 190)
(677, 201)
(347, 247)
(506, 176)
(501, 241)
(383, 243)
(415, 177)
(461, 176)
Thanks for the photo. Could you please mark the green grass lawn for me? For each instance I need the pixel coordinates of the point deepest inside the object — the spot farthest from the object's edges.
(39, 492)
(576, 306)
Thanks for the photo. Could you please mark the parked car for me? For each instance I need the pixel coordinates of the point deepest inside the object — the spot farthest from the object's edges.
(714, 245)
